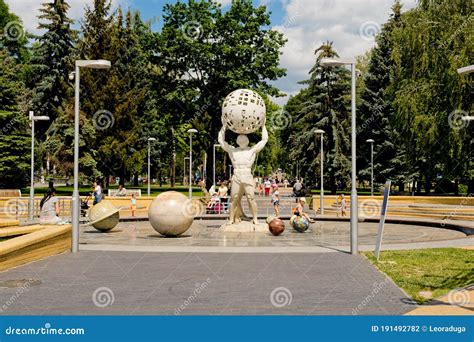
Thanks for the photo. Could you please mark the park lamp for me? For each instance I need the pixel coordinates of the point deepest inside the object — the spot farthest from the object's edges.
(337, 62)
(466, 70)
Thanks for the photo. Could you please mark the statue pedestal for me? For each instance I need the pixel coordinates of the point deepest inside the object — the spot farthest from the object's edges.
(244, 227)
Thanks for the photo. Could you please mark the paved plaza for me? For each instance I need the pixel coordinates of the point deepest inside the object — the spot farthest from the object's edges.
(133, 283)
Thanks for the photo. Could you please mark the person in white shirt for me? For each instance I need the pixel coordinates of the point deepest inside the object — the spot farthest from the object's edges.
(50, 209)
(121, 192)
(97, 193)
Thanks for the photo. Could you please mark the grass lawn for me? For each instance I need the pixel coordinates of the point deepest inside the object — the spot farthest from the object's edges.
(436, 271)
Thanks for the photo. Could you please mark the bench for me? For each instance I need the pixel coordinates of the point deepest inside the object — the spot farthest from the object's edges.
(136, 192)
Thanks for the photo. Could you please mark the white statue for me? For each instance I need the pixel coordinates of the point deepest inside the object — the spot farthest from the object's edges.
(242, 158)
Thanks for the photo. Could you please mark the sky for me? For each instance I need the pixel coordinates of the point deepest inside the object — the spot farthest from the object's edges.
(349, 24)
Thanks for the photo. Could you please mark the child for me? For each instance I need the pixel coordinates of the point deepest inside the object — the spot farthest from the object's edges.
(133, 205)
(300, 210)
(276, 201)
(343, 205)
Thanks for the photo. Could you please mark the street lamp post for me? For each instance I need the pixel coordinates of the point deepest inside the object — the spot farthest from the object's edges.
(91, 64)
(371, 141)
(354, 205)
(191, 131)
(149, 152)
(321, 191)
(33, 118)
(214, 163)
(230, 171)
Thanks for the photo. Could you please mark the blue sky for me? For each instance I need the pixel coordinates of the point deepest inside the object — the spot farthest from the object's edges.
(350, 24)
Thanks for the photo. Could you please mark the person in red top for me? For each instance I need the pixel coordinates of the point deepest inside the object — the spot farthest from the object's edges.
(268, 186)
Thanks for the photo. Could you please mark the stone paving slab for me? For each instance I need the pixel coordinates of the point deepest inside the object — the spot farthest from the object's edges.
(133, 283)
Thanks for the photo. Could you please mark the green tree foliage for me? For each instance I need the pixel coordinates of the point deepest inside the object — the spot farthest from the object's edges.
(206, 53)
(324, 104)
(14, 142)
(432, 42)
(51, 61)
(14, 36)
(375, 119)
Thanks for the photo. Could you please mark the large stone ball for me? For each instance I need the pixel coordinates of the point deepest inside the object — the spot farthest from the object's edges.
(104, 216)
(276, 226)
(243, 111)
(171, 213)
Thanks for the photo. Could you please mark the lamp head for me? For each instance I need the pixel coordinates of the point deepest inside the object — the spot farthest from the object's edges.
(192, 130)
(370, 141)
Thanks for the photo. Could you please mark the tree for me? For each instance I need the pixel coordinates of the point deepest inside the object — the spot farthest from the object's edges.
(14, 36)
(205, 54)
(14, 142)
(429, 45)
(376, 113)
(324, 104)
(51, 60)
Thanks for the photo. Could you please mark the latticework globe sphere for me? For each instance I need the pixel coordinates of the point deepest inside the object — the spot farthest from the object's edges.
(243, 111)
(104, 216)
(171, 213)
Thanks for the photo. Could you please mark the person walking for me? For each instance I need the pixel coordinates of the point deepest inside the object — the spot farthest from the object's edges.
(97, 193)
(276, 201)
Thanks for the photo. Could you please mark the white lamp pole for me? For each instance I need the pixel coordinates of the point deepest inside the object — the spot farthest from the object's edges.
(214, 163)
(191, 131)
(230, 171)
(91, 64)
(371, 141)
(321, 191)
(149, 152)
(33, 118)
(354, 205)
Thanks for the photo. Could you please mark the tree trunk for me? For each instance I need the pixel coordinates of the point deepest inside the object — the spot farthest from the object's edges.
(173, 159)
(456, 187)
(332, 183)
(401, 186)
(135, 180)
(427, 185)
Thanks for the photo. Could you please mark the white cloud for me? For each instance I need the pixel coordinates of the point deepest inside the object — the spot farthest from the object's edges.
(309, 23)
(28, 10)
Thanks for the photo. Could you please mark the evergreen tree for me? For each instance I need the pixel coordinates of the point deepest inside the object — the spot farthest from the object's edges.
(326, 106)
(376, 114)
(51, 60)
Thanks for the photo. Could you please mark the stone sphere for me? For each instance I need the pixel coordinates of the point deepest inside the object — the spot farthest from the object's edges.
(171, 213)
(243, 111)
(104, 216)
(276, 226)
(300, 224)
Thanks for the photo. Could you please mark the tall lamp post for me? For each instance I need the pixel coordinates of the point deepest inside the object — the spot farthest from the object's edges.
(371, 142)
(214, 163)
(149, 152)
(91, 64)
(33, 118)
(321, 191)
(354, 206)
(230, 171)
(191, 131)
